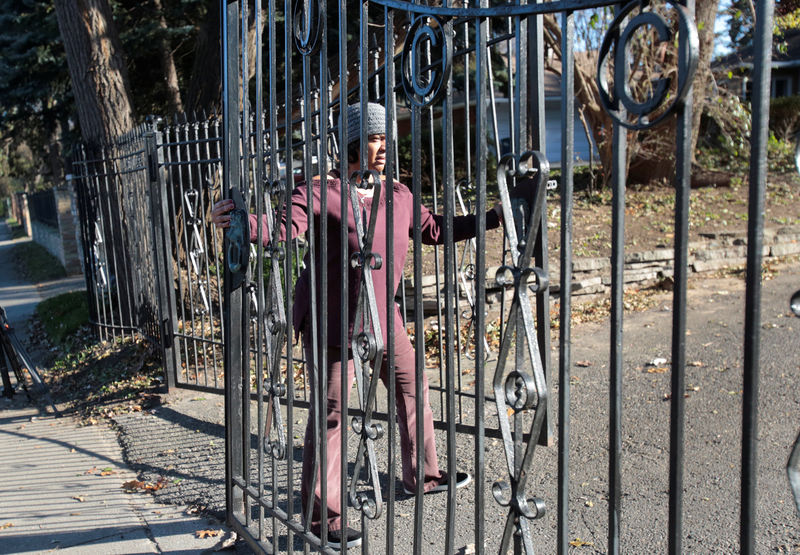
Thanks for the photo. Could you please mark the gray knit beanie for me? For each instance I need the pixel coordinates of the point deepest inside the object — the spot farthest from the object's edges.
(376, 121)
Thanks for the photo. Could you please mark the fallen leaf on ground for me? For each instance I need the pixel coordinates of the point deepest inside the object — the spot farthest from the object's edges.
(91, 470)
(696, 363)
(207, 533)
(162, 482)
(6, 525)
(577, 542)
(583, 363)
(133, 485)
(657, 370)
(79, 498)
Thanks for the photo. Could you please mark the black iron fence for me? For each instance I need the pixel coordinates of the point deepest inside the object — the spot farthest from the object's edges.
(461, 90)
(42, 206)
(153, 259)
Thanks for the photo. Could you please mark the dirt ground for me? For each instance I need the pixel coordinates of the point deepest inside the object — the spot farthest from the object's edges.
(650, 217)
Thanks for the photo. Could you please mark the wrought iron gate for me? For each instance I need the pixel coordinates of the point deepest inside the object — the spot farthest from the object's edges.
(436, 71)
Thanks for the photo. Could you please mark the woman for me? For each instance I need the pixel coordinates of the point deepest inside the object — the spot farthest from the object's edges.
(405, 372)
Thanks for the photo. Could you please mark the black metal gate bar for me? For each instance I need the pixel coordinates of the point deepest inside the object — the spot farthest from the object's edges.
(619, 175)
(260, 187)
(391, 171)
(683, 161)
(292, 255)
(755, 235)
(234, 321)
(482, 70)
(448, 183)
(535, 99)
(565, 294)
(163, 253)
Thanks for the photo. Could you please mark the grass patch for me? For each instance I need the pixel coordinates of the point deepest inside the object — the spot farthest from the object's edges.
(63, 315)
(37, 264)
(16, 228)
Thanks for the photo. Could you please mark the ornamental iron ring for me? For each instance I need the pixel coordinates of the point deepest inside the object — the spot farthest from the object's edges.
(688, 55)
(425, 91)
(308, 18)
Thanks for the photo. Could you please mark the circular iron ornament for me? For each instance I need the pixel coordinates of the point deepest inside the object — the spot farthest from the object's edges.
(278, 390)
(274, 324)
(501, 490)
(366, 346)
(506, 276)
(371, 260)
(278, 252)
(425, 84)
(307, 38)
(532, 508)
(364, 503)
(366, 179)
(688, 53)
(374, 431)
(374, 261)
(469, 272)
(520, 391)
(542, 279)
(277, 450)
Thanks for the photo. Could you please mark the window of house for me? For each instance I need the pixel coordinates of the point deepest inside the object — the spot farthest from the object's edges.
(781, 86)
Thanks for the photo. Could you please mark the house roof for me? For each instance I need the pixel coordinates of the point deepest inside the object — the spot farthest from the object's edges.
(781, 57)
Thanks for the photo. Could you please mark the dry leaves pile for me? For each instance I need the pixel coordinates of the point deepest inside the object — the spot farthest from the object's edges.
(133, 486)
(102, 379)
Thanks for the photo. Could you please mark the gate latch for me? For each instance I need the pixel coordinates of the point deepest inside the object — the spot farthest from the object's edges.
(238, 245)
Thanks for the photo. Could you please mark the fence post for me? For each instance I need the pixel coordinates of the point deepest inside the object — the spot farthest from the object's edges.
(234, 300)
(162, 253)
(26, 215)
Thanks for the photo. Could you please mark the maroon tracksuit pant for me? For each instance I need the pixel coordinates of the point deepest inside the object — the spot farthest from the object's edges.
(407, 422)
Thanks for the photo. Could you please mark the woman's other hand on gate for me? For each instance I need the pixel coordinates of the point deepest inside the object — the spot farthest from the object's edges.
(220, 213)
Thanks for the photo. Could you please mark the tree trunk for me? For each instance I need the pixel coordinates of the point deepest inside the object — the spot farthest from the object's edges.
(205, 86)
(705, 15)
(97, 68)
(168, 61)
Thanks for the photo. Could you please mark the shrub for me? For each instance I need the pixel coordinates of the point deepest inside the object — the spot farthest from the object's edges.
(784, 117)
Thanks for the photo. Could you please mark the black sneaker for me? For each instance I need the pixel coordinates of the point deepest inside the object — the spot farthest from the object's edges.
(349, 535)
(462, 479)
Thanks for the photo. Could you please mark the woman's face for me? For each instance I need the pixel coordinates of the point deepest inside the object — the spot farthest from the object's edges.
(376, 152)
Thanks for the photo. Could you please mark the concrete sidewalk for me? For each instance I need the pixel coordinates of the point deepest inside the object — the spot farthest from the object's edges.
(62, 484)
(19, 296)
(62, 489)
